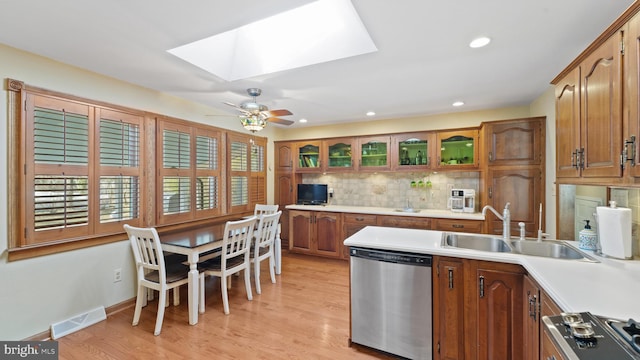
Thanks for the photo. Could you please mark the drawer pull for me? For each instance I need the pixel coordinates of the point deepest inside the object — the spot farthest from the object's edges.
(359, 219)
(457, 226)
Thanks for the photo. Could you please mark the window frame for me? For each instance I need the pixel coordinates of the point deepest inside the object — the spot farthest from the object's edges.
(21, 247)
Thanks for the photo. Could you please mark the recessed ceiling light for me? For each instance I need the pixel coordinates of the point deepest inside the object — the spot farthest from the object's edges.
(458, 103)
(371, 113)
(318, 32)
(302, 121)
(480, 42)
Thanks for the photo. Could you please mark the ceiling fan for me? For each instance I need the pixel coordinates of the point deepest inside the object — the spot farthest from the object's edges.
(255, 116)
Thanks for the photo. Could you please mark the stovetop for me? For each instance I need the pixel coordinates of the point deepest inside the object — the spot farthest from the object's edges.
(585, 336)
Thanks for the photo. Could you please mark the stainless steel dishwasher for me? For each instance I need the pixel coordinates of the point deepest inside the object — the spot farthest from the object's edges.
(391, 302)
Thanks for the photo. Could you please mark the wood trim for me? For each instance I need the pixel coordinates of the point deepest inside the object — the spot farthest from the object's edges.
(606, 34)
(15, 181)
(111, 310)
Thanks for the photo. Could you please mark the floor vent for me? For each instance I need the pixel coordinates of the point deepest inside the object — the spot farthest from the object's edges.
(78, 322)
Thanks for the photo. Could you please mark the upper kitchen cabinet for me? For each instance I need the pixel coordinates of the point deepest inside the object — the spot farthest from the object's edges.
(308, 156)
(631, 145)
(373, 153)
(457, 149)
(567, 94)
(339, 154)
(284, 156)
(589, 140)
(413, 151)
(514, 142)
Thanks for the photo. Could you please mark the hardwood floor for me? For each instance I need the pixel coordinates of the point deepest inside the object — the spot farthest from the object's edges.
(305, 315)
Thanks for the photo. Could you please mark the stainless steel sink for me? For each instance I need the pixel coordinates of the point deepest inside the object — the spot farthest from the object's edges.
(548, 248)
(413, 211)
(475, 242)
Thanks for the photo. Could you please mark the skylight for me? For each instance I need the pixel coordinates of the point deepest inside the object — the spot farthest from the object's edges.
(318, 32)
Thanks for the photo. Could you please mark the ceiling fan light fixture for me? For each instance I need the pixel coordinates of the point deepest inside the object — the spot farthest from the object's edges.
(253, 123)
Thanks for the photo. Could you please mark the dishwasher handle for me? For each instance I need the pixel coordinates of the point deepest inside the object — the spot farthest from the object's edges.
(396, 257)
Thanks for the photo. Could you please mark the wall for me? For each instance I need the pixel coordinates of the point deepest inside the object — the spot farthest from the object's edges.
(392, 190)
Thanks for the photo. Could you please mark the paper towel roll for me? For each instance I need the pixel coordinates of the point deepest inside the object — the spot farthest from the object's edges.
(614, 231)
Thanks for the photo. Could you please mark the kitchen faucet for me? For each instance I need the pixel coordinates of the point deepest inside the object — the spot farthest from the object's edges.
(506, 219)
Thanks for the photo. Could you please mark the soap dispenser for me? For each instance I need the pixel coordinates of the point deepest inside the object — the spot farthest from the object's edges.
(588, 238)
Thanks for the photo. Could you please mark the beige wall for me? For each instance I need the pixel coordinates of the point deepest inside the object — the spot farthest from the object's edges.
(38, 292)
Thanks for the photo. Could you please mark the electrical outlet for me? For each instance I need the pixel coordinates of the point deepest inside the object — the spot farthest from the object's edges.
(117, 275)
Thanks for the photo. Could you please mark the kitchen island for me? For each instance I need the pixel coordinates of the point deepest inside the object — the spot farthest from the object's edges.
(488, 304)
(608, 288)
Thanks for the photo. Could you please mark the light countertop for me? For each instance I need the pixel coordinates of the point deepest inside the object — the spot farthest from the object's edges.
(608, 288)
(430, 213)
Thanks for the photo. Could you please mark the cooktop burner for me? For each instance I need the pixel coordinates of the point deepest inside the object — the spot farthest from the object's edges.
(629, 331)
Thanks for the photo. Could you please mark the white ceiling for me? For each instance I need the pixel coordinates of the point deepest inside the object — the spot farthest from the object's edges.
(422, 66)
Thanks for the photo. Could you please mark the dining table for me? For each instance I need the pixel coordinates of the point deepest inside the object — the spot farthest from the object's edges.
(193, 243)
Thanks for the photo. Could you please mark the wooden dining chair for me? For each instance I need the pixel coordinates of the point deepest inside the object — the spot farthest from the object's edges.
(233, 259)
(262, 209)
(153, 273)
(263, 246)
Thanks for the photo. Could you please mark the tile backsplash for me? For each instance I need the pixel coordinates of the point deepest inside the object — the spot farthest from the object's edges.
(393, 190)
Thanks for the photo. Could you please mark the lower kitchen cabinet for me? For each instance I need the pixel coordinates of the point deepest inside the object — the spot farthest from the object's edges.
(448, 308)
(536, 305)
(315, 232)
(531, 318)
(406, 222)
(468, 226)
(549, 351)
(351, 224)
(477, 309)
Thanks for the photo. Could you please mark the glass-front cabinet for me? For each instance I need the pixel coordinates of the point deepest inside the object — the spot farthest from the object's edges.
(413, 151)
(374, 153)
(458, 149)
(308, 156)
(339, 154)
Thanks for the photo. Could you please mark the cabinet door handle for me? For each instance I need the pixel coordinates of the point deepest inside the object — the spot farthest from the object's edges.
(574, 159)
(581, 159)
(532, 305)
(490, 156)
(450, 278)
(490, 192)
(481, 286)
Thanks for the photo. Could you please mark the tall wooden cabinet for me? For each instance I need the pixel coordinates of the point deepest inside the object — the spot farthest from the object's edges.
(477, 309)
(285, 185)
(515, 161)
